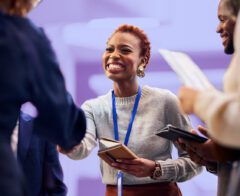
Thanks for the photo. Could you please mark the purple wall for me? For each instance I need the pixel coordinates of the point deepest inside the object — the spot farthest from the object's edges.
(84, 70)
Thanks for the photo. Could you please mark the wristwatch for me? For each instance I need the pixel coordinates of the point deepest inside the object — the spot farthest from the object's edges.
(157, 172)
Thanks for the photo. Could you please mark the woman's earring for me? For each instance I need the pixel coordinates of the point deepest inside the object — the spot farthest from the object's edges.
(140, 71)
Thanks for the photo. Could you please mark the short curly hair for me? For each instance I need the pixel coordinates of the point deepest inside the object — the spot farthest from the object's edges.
(144, 41)
(234, 5)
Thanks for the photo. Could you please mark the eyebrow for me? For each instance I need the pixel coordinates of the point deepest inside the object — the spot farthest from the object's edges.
(127, 46)
(122, 45)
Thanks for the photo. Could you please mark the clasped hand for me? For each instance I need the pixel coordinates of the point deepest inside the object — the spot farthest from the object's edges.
(139, 167)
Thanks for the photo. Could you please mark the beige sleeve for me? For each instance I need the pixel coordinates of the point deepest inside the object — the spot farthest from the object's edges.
(221, 113)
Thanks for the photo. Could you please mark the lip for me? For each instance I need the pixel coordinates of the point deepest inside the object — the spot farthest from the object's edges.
(224, 40)
(224, 37)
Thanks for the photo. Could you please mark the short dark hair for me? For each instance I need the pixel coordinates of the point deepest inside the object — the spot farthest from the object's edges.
(234, 5)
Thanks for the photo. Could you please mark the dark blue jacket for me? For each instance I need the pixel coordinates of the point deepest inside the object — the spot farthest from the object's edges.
(39, 161)
(29, 72)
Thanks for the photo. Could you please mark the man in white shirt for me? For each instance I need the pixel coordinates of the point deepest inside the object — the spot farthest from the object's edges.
(209, 106)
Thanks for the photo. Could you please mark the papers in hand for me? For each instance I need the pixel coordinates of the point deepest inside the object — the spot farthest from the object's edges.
(111, 150)
(189, 73)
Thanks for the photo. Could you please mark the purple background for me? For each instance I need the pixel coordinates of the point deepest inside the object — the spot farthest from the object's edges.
(79, 29)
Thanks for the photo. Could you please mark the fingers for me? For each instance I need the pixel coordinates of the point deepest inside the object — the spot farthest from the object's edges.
(187, 97)
(196, 152)
(195, 148)
(124, 163)
(182, 101)
(129, 161)
(59, 149)
(193, 156)
(127, 168)
(194, 132)
(181, 144)
(138, 167)
(196, 158)
(188, 144)
(203, 130)
(180, 105)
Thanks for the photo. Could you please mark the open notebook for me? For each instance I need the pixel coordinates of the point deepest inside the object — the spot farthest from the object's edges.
(188, 72)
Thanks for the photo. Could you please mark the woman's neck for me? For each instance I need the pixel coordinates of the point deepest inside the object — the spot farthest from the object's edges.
(125, 89)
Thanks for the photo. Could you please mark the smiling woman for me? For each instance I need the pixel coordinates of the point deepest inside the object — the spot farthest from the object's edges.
(132, 114)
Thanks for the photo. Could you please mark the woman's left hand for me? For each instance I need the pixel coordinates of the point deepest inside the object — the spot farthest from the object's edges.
(139, 167)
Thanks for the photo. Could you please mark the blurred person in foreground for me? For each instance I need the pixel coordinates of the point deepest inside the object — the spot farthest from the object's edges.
(30, 73)
(112, 115)
(38, 160)
(219, 110)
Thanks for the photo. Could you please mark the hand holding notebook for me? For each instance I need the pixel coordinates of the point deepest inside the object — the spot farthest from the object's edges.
(111, 150)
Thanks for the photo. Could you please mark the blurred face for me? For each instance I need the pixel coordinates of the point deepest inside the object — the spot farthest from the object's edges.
(36, 2)
(18, 7)
(226, 27)
(122, 57)
(33, 3)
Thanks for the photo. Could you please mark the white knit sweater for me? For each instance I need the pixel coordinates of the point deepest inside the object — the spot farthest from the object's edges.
(157, 108)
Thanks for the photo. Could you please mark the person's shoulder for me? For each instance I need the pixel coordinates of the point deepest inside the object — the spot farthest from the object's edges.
(158, 92)
(17, 26)
(6, 19)
(15, 32)
(6, 30)
(10, 24)
(159, 96)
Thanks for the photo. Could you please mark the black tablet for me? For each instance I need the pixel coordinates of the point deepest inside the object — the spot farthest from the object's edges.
(173, 133)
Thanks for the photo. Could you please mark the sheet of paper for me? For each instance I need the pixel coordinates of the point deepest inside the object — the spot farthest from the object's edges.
(189, 73)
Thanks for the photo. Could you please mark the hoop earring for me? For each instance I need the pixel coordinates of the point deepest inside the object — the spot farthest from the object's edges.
(140, 71)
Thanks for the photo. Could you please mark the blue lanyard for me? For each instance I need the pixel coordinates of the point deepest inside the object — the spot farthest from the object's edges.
(115, 124)
(134, 111)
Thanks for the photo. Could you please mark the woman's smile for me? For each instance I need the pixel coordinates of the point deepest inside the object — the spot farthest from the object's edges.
(115, 67)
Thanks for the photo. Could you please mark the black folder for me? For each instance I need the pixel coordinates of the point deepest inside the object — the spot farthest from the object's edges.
(171, 132)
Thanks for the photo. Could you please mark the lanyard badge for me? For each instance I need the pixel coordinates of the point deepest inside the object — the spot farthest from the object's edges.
(114, 112)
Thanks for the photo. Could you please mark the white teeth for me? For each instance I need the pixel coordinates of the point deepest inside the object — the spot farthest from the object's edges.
(224, 39)
(115, 67)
